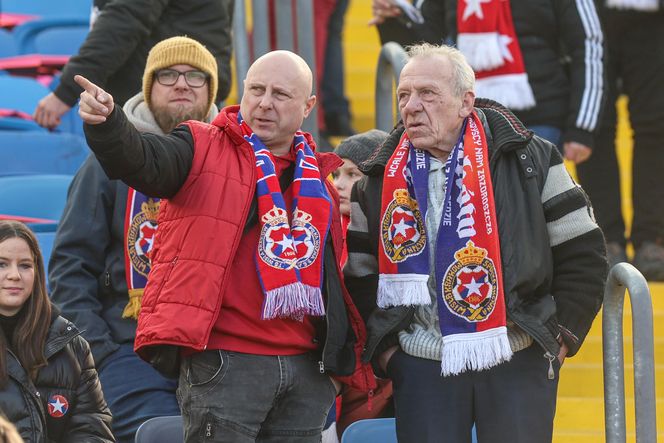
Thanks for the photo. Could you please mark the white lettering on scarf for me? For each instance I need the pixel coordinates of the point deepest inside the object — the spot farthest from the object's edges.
(394, 166)
(420, 159)
(481, 175)
(466, 227)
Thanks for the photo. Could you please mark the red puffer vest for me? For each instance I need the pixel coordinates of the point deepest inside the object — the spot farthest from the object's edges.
(198, 235)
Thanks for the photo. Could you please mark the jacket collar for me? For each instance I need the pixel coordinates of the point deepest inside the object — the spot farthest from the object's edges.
(227, 121)
(503, 130)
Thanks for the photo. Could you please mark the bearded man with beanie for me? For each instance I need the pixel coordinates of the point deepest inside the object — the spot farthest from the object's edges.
(102, 250)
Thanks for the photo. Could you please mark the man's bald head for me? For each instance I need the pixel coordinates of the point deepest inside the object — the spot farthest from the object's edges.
(285, 61)
(277, 98)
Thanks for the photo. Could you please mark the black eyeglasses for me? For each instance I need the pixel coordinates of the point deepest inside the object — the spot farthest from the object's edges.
(169, 77)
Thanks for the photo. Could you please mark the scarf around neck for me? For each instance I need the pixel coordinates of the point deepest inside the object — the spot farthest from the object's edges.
(487, 38)
(469, 288)
(289, 261)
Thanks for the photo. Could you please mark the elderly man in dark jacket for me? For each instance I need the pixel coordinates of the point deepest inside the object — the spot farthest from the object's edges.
(114, 52)
(475, 260)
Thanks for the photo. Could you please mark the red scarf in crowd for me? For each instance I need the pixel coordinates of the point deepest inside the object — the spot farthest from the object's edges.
(487, 38)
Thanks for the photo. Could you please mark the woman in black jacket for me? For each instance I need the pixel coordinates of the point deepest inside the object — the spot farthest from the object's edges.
(48, 384)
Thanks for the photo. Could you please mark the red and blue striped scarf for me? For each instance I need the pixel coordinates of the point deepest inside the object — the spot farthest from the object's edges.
(469, 288)
(289, 258)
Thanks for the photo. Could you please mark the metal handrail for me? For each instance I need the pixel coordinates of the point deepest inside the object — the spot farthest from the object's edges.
(621, 277)
(240, 46)
(391, 61)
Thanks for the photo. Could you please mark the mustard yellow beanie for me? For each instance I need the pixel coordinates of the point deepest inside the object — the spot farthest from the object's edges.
(180, 51)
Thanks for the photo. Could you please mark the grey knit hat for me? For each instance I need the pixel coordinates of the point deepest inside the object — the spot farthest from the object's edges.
(357, 148)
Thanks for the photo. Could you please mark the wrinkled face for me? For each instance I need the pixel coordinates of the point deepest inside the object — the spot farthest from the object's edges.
(171, 105)
(344, 178)
(17, 275)
(277, 98)
(432, 114)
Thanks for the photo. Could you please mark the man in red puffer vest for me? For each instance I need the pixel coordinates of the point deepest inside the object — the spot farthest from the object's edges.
(245, 299)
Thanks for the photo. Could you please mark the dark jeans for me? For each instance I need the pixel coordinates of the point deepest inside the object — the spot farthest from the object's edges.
(233, 397)
(513, 402)
(134, 392)
(635, 67)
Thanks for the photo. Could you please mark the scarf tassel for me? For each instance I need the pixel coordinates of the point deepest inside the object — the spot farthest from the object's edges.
(512, 90)
(482, 50)
(476, 351)
(403, 290)
(293, 300)
(133, 307)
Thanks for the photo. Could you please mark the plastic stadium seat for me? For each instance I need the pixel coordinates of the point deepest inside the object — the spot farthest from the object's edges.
(45, 233)
(41, 196)
(374, 430)
(51, 36)
(161, 430)
(31, 152)
(21, 93)
(7, 44)
(48, 8)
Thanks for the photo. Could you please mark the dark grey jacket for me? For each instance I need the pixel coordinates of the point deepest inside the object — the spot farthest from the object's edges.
(114, 53)
(70, 374)
(550, 290)
(87, 269)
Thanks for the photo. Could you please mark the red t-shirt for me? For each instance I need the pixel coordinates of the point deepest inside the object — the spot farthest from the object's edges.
(239, 326)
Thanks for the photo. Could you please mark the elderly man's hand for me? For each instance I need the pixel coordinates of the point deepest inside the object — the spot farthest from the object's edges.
(96, 104)
(49, 111)
(576, 152)
(383, 9)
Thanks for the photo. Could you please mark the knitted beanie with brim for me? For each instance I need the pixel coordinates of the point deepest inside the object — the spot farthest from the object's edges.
(180, 51)
(357, 148)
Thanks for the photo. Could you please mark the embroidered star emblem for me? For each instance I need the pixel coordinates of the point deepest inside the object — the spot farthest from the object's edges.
(286, 243)
(504, 42)
(58, 406)
(474, 287)
(474, 7)
(400, 228)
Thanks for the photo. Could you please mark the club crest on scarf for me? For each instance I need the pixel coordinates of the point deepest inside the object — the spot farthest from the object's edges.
(140, 236)
(275, 246)
(283, 247)
(470, 289)
(402, 228)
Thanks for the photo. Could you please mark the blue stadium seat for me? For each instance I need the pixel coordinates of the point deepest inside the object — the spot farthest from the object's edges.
(374, 430)
(7, 44)
(51, 36)
(21, 93)
(40, 196)
(48, 8)
(45, 233)
(161, 430)
(19, 124)
(32, 152)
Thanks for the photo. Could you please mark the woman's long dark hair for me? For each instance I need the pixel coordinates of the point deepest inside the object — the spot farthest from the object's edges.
(35, 315)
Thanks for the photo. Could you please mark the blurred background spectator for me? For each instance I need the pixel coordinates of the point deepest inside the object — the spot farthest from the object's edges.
(635, 43)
